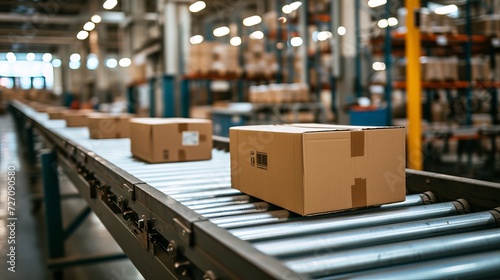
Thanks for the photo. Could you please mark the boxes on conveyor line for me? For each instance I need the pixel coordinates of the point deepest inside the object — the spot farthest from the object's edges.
(315, 168)
(76, 118)
(106, 126)
(56, 113)
(169, 140)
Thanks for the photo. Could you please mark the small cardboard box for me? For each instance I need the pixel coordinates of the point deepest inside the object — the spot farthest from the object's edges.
(106, 126)
(170, 140)
(76, 118)
(56, 113)
(314, 168)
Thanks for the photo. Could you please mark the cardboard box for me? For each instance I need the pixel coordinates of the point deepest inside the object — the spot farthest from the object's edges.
(56, 113)
(170, 140)
(76, 118)
(106, 126)
(314, 168)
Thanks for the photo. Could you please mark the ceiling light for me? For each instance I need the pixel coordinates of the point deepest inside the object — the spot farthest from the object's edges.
(125, 62)
(221, 31)
(282, 19)
(251, 21)
(47, 57)
(111, 63)
(446, 9)
(197, 6)
(392, 21)
(92, 61)
(75, 57)
(383, 23)
(295, 5)
(378, 66)
(287, 9)
(30, 56)
(296, 41)
(56, 63)
(89, 26)
(256, 35)
(74, 65)
(82, 35)
(110, 4)
(96, 18)
(196, 39)
(341, 30)
(235, 41)
(11, 57)
(376, 3)
(324, 35)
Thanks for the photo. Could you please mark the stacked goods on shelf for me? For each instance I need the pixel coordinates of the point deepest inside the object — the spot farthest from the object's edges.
(215, 57)
(480, 69)
(431, 22)
(439, 69)
(259, 63)
(487, 25)
(279, 93)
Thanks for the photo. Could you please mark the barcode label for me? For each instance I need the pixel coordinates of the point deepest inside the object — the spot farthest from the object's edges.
(261, 160)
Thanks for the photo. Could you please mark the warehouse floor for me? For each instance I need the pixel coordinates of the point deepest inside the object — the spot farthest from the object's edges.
(31, 247)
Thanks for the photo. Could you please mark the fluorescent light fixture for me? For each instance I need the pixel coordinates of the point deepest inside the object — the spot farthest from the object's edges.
(74, 65)
(296, 41)
(378, 66)
(74, 57)
(235, 41)
(341, 30)
(324, 35)
(287, 9)
(111, 63)
(56, 62)
(11, 57)
(295, 5)
(256, 35)
(30, 56)
(197, 6)
(221, 31)
(251, 21)
(110, 4)
(82, 35)
(446, 9)
(125, 62)
(47, 57)
(376, 3)
(383, 23)
(92, 61)
(392, 21)
(196, 39)
(96, 18)
(89, 26)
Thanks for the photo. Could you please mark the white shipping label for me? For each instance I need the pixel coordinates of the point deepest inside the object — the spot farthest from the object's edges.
(190, 138)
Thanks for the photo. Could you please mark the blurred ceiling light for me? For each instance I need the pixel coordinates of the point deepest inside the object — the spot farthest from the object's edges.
(56, 63)
(197, 6)
(296, 41)
(256, 35)
(89, 26)
(92, 62)
(82, 35)
(378, 66)
(74, 65)
(251, 21)
(392, 21)
(341, 30)
(47, 57)
(11, 57)
(287, 9)
(111, 63)
(110, 4)
(295, 5)
(96, 18)
(324, 35)
(75, 57)
(282, 19)
(30, 56)
(376, 3)
(221, 31)
(382, 23)
(446, 9)
(235, 41)
(125, 62)
(196, 39)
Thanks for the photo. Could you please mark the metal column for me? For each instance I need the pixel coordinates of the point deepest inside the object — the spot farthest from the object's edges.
(388, 64)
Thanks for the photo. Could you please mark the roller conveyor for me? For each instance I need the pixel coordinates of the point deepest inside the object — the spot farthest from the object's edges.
(183, 220)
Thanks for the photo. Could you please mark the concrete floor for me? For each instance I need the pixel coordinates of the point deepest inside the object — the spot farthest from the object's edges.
(31, 248)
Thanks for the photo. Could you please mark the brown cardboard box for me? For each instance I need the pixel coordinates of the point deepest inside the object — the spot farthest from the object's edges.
(106, 126)
(170, 140)
(315, 168)
(56, 113)
(76, 118)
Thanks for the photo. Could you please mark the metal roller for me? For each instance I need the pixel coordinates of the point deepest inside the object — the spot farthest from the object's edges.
(475, 266)
(177, 174)
(352, 221)
(250, 219)
(231, 210)
(396, 253)
(205, 194)
(218, 201)
(337, 241)
(161, 183)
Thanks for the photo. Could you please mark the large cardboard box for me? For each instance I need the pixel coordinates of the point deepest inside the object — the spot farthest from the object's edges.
(76, 118)
(106, 126)
(314, 168)
(170, 140)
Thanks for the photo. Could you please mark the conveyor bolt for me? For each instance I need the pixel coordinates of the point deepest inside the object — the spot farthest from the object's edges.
(181, 267)
(209, 275)
(172, 249)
